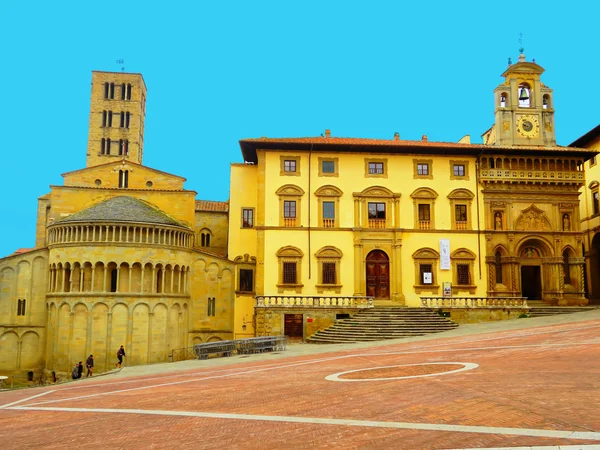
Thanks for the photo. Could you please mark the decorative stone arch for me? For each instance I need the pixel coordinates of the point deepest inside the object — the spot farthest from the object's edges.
(205, 237)
(499, 272)
(290, 193)
(328, 197)
(463, 268)
(290, 268)
(544, 247)
(157, 305)
(377, 194)
(541, 276)
(424, 208)
(9, 349)
(460, 208)
(214, 339)
(426, 260)
(532, 219)
(328, 260)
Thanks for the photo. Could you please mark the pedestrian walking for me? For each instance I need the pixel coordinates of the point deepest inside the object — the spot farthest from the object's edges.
(79, 369)
(75, 372)
(120, 356)
(89, 363)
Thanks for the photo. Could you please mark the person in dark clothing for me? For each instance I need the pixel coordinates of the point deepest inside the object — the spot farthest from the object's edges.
(79, 369)
(120, 355)
(89, 363)
(75, 372)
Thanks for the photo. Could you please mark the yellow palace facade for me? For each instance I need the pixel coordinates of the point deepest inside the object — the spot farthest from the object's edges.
(315, 229)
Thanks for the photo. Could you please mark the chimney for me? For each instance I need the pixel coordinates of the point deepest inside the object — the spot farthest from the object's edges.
(327, 133)
(396, 136)
(424, 138)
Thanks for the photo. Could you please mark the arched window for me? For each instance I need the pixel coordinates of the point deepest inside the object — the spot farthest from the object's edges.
(546, 102)
(102, 146)
(104, 118)
(524, 95)
(566, 268)
(123, 178)
(503, 100)
(112, 91)
(498, 264)
(107, 148)
(106, 89)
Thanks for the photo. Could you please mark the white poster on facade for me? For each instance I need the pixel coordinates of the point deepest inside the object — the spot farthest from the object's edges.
(444, 254)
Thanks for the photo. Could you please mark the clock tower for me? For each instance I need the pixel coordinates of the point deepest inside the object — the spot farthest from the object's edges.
(524, 108)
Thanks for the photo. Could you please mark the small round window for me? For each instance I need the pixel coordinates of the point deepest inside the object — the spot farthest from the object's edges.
(97, 182)
(149, 183)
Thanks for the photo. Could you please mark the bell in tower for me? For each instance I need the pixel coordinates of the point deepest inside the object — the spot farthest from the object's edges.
(524, 116)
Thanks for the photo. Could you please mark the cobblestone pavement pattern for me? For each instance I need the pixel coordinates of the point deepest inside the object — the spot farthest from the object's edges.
(520, 383)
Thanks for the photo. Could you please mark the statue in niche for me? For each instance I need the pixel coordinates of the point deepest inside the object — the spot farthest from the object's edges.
(498, 221)
(566, 223)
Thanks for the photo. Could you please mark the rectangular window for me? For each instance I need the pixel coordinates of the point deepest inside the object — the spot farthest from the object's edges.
(329, 210)
(460, 212)
(328, 167)
(426, 273)
(247, 280)
(247, 218)
(211, 306)
(462, 274)
(376, 168)
(376, 210)
(596, 203)
(422, 169)
(289, 273)
(424, 212)
(329, 275)
(459, 170)
(122, 119)
(289, 209)
(20, 307)
(289, 165)
(109, 123)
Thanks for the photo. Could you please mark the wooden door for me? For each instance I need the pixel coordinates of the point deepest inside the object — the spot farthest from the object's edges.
(378, 274)
(293, 326)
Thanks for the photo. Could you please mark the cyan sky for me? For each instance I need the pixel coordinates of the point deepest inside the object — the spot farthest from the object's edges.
(221, 71)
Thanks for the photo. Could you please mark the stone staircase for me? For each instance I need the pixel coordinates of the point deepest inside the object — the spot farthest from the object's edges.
(381, 323)
(540, 311)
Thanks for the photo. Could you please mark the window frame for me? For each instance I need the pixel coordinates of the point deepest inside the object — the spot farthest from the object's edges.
(290, 254)
(240, 278)
(421, 162)
(463, 257)
(243, 223)
(384, 167)
(426, 256)
(287, 158)
(461, 197)
(326, 194)
(288, 193)
(464, 164)
(329, 255)
(335, 162)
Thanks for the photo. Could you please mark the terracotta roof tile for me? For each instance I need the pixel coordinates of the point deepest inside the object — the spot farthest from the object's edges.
(207, 205)
(22, 250)
(393, 143)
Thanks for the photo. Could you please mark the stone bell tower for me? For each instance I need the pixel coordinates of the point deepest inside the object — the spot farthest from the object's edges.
(117, 114)
(524, 107)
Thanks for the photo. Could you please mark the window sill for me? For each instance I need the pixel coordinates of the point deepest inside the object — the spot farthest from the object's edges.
(426, 287)
(289, 287)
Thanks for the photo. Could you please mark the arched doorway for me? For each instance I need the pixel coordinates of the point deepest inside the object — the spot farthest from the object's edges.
(532, 269)
(593, 257)
(378, 274)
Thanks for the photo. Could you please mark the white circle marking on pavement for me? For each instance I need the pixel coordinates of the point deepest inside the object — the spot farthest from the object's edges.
(466, 366)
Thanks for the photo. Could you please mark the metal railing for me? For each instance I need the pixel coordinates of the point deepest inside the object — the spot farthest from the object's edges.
(299, 301)
(474, 302)
(245, 346)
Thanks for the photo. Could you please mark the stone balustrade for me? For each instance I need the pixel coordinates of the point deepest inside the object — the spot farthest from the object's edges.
(532, 174)
(300, 301)
(474, 302)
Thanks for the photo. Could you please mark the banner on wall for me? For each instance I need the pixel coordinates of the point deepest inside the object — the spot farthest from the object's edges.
(445, 254)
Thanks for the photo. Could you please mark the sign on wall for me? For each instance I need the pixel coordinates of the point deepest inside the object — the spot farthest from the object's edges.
(447, 286)
(445, 254)
(427, 278)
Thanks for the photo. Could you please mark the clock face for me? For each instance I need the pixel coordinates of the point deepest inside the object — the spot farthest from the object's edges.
(528, 126)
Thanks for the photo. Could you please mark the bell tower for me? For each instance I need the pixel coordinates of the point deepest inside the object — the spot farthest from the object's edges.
(524, 108)
(117, 114)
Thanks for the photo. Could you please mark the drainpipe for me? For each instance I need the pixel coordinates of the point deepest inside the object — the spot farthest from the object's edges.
(309, 218)
(478, 216)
